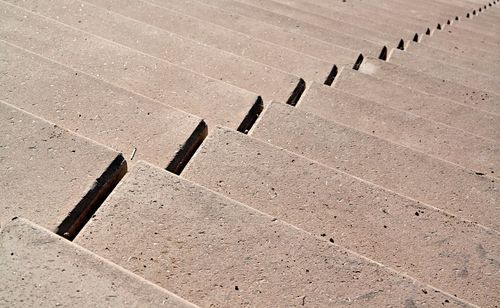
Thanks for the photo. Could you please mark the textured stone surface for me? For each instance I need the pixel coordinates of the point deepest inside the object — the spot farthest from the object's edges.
(267, 81)
(445, 71)
(280, 13)
(40, 269)
(352, 213)
(428, 106)
(215, 101)
(404, 128)
(238, 16)
(413, 174)
(49, 175)
(132, 124)
(311, 61)
(430, 84)
(468, 63)
(461, 48)
(216, 252)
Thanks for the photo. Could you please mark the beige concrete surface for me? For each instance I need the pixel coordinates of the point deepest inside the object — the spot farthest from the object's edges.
(40, 269)
(214, 251)
(50, 175)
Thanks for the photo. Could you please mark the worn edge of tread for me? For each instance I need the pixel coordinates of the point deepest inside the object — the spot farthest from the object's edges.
(93, 198)
(105, 262)
(188, 149)
(95, 194)
(251, 116)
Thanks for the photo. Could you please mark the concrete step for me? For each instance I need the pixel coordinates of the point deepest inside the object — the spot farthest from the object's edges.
(480, 24)
(309, 61)
(214, 251)
(475, 39)
(461, 48)
(213, 100)
(438, 184)
(445, 71)
(464, 34)
(422, 104)
(381, 9)
(407, 129)
(134, 125)
(411, 11)
(50, 175)
(360, 29)
(235, 16)
(40, 269)
(269, 82)
(462, 61)
(341, 208)
(429, 84)
(367, 16)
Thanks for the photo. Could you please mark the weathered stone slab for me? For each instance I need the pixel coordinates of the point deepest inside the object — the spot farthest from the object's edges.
(445, 71)
(213, 100)
(311, 60)
(428, 106)
(214, 251)
(230, 16)
(265, 9)
(267, 81)
(461, 48)
(345, 210)
(40, 269)
(51, 176)
(366, 16)
(409, 173)
(453, 59)
(426, 83)
(138, 127)
(407, 129)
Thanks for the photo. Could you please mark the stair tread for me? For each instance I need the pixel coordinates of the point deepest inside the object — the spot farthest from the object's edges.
(214, 251)
(428, 106)
(138, 127)
(127, 68)
(50, 175)
(410, 130)
(408, 173)
(41, 269)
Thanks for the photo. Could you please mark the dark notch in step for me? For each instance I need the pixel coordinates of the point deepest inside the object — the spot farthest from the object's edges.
(187, 150)
(439, 27)
(457, 18)
(448, 22)
(401, 45)
(468, 15)
(383, 54)
(93, 199)
(415, 38)
(428, 31)
(331, 77)
(358, 62)
(297, 93)
(251, 117)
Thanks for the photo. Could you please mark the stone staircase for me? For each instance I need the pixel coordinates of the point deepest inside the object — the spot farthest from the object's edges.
(257, 153)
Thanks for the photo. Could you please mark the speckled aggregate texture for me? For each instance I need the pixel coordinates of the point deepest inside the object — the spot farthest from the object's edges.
(122, 120)
(215, 101)
(49, 175)
(404, 128)
(446, 251)
(429, 106)
(40, 269)
(431, 84)
(215, 252)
